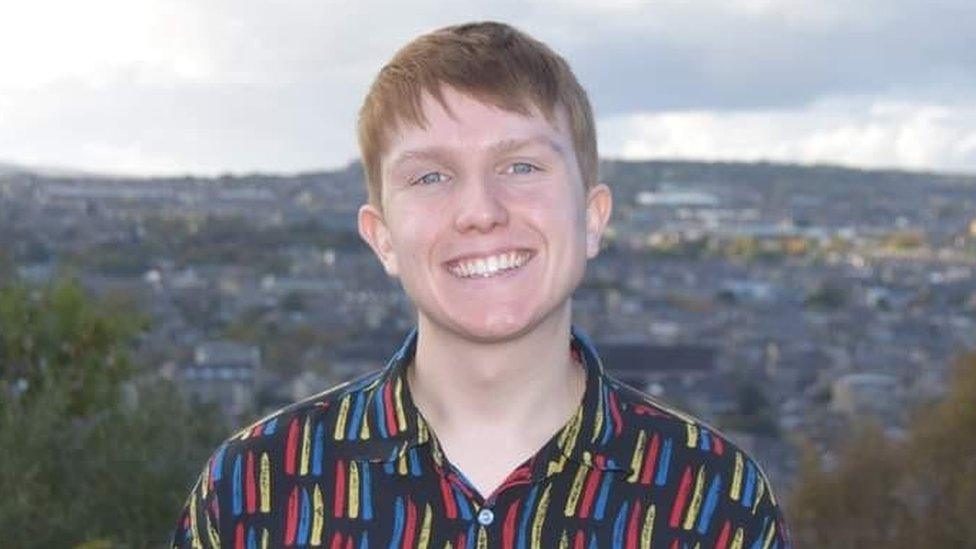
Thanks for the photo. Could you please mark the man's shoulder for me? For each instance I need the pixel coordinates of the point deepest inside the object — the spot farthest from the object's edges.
(644, 412)
(669, 447)
(293, 440)
(310, 416)
(688, 438)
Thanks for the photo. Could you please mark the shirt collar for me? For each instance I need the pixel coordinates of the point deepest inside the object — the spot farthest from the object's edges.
(591, 437)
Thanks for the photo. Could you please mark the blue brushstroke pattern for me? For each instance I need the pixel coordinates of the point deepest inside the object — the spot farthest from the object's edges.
(219, 462)
(367, 497)
(601, 501)
(352, 432)
(618, 525)
(318, 447)
(711, 500)
(750, 484)
(304, 521)
(397, 523)
(524, 525)
(238, 501)
(662, 463)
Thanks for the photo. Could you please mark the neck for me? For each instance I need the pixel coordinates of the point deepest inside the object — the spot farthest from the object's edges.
(503, 386)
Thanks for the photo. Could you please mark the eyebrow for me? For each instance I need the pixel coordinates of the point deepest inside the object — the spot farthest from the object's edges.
(509, 145)
(499, 147)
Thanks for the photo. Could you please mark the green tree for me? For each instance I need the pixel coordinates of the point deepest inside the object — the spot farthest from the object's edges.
(92, 447)
(855, 503)
(941, 455)
(915, 492)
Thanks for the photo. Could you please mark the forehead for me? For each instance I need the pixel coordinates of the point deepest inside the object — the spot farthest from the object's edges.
(469, 125)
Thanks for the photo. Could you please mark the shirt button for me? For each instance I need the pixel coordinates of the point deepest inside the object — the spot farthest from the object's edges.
(485, 516)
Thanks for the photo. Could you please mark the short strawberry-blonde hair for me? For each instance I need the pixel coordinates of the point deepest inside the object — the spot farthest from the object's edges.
(490, 61)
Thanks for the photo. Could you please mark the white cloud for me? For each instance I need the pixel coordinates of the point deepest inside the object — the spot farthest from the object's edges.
(156, 86)
(49, 41)
(855, 131)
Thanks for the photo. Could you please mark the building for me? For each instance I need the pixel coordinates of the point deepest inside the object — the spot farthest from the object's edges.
(223, 373)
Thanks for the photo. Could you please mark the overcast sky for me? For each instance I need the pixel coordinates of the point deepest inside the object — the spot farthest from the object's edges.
(151, 87)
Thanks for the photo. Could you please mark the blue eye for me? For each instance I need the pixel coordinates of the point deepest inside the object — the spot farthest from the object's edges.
(522, 168)
(430, 178)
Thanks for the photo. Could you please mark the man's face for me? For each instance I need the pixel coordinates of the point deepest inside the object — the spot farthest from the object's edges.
(484, 218)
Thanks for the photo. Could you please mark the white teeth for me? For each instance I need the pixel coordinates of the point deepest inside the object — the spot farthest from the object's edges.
(489, 266)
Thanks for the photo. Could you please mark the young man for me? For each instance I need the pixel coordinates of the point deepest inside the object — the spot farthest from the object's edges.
(494, 424)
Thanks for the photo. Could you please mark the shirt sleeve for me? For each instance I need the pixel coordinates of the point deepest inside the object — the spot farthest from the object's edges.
(198, 525)
(767, 525)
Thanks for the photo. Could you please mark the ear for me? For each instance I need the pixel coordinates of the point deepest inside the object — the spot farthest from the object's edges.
(373, 230)
(599, 204)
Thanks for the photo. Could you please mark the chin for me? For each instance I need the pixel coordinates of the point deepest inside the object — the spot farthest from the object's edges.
(495, 328)
(484, 328)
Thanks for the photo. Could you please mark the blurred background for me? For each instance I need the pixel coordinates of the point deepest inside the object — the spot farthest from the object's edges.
(792, 255)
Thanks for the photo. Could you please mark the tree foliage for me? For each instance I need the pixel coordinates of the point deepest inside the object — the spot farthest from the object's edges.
(93, 447)
(919, 491)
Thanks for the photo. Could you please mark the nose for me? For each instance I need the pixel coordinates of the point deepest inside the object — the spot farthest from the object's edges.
(479, 205)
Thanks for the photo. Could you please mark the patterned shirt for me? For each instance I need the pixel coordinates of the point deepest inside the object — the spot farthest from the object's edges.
(357, 466)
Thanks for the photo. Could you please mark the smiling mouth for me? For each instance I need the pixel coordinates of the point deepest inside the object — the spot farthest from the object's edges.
(491, 265)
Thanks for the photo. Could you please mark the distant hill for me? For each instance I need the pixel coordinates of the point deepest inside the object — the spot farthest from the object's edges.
(7, 169)
(680, 171)
(622, 173)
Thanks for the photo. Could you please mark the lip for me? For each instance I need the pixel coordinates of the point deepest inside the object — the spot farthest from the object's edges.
(496, 251)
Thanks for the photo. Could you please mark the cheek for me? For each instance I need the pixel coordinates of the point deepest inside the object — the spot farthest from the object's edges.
(564, 218)
(414, 238)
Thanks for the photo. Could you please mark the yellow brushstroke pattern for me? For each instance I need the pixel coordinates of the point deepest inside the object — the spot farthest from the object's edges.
(737, 539)
(340, 428)
(482, 538)
(194, 529)
(364, 430)
(212, 533)
(637, 458)
(692, 435)
(760, 488)
(318, 516)
(574, 491)
(423, 540)
(402, 462)
(401, 419)
(736, 486)
(264, 538)
(769, 492)
(556, 466)
(540, 518)
(306, 446)
(353, 490)
(599, 416)
(648, 529)
(438, 456)
(563, 540)
(205, 481)
(769, 535)
(571, 430)
(265, 483)
(696, 499)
